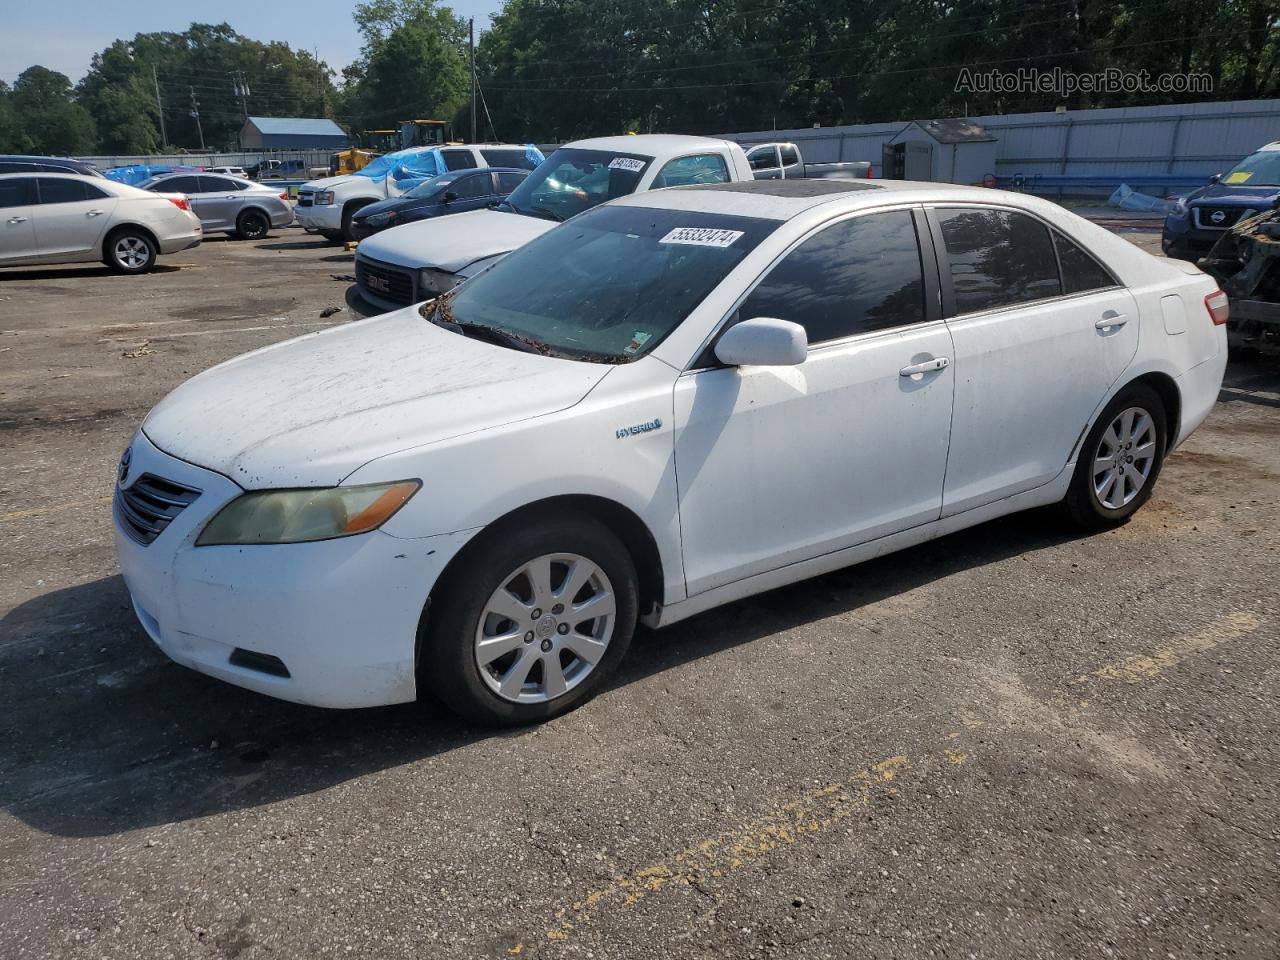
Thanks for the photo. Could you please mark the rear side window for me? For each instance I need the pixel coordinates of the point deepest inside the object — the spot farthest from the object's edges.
(507, 158)
(17, 192)
(458, 159)
(509, 181)
(763, 158)
(1080, 271)
(703, 168)
(59, 190)
(468, 188)
(854, 277)
(790, 156)
(998, 258)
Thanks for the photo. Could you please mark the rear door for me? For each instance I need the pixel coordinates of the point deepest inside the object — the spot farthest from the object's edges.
(71, 217)
(17, 219)
(1041, 330)
(217, 202)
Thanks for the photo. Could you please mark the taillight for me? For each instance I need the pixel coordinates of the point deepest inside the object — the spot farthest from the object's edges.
(182, 203)
(1219, 307)
(284, 196)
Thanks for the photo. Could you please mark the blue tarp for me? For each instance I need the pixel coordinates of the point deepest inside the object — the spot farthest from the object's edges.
(136, 175)
(408, 168)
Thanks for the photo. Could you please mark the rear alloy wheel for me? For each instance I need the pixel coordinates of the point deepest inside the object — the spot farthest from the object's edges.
(252, 225)
(1120, 459)
(531, 621)
(130, 251)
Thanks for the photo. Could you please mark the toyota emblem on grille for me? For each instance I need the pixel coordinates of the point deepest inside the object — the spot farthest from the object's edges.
(122, 472)
(1218, 216)
(379, 283)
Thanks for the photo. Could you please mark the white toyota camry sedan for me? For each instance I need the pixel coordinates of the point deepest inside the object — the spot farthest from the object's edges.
(672, 401)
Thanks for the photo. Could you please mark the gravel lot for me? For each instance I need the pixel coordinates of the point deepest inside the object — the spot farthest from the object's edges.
(1012, 742)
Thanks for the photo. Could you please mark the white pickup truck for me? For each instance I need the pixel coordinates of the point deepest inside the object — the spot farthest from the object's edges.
(326, 206)
(420, 261)
(782, 161)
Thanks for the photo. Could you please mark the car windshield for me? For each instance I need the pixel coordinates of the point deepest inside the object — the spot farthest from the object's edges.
(625, 277)
(1261, 169)
(573, 180)
(428, 189)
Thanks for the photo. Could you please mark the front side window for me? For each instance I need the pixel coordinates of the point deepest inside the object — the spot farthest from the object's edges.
(763, 158)
(1080, 271)
(856, 276)
(625, 277)
(59, 190)
(458, 159)
(997, 258)
(17, 192)
(572, 180)
(703, 168)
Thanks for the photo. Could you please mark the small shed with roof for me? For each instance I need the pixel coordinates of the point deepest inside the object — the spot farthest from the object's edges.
(291, 133)
(955, 150)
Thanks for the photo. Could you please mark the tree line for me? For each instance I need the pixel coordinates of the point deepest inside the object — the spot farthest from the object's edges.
(560, 69)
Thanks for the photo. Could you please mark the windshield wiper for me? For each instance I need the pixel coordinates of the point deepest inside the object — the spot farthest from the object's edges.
(442, 316)
(547, 214)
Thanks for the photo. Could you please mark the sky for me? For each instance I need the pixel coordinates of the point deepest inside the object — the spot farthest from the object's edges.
(64, 34)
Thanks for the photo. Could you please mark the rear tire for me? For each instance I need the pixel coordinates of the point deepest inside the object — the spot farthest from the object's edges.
(1119, 460)
(252, 225)
(130, 251)
(485, 654)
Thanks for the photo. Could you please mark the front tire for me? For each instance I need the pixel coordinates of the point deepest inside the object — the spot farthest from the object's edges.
(1119, 460)
(348, 229)
(130, 251)
(531, 621)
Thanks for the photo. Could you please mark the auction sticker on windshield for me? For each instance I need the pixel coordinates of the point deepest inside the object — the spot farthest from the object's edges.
(702, 236)
(630, 164)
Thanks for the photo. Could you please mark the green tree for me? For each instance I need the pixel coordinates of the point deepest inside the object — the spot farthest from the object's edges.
(12, 139)
(51, 120)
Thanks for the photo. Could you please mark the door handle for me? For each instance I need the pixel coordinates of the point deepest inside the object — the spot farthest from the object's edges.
(17, 219)
(926, 366)
(95, 213)
(1110, 319)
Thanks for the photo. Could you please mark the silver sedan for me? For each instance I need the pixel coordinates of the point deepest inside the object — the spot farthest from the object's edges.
(227, 204)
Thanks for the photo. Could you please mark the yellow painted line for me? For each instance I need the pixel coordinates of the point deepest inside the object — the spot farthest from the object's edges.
(54, 508)
(1132, 669)
(781, 827)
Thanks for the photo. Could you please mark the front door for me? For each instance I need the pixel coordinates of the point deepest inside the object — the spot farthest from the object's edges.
(71, 216)
(780, 464)
(1042, 331)
(17, 219)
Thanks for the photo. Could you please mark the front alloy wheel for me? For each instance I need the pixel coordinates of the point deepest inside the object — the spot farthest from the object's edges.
(545, 628)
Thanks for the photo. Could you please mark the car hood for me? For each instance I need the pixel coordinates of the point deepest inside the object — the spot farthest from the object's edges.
(396, 203)
(328, 183)
(1234, 195)
(469, 237)
(309, 411)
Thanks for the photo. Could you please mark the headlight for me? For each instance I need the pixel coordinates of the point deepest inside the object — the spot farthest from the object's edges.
(323, 198)
(301, 516)
(378, 219)
(437, 281)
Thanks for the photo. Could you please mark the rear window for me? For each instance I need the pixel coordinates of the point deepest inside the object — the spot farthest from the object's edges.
(625, 277)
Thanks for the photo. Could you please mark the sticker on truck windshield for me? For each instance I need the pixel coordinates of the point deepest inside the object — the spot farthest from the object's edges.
(630, 164)
(702, 237)
(1241, 177)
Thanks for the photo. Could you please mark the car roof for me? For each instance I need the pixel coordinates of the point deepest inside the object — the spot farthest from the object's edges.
(787, 199)
(654, 144)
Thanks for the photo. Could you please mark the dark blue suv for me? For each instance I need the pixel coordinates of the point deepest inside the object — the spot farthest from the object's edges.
(1201, 217)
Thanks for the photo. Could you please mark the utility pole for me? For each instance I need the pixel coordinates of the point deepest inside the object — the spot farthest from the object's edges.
(242, 91)
(195, 112)
(471, 29)
(164, 139)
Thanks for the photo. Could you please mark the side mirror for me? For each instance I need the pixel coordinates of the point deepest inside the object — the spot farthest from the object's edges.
(449, 196)
(763, 342)
(1215, 178)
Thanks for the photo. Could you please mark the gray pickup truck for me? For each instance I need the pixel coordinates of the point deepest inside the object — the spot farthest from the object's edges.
(782, 161)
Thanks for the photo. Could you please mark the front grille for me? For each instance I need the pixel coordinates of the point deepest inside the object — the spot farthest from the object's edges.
(1205, 217)
(149, 504)
(383, 281)
(304, 199)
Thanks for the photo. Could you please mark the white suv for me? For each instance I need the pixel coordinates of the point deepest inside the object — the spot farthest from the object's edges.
(326, 206)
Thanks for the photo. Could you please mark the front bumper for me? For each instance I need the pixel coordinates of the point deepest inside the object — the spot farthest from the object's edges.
(341, 615)
(327, 217)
